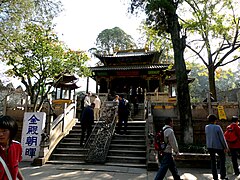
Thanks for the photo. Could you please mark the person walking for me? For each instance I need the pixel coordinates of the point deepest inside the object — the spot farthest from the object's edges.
(87, 121)
(123, 113)
(234, 146)
(216, 144)
(167, 161)
(10, 150)
(97, 103)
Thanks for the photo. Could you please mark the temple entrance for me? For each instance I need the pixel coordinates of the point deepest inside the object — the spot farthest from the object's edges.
(123, 85)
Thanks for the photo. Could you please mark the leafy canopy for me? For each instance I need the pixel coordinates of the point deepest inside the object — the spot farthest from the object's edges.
(110, 40)
(37, 56)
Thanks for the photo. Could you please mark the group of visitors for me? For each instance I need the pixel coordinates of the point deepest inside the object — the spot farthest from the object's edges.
(216, 143)
(90, 112)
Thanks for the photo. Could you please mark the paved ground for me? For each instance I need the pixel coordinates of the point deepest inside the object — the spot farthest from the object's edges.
(99, 172)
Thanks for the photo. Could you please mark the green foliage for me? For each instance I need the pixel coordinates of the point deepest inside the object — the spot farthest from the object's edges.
(110, 40)
(198, 88)
(158, 41)
(214, 32)
(37, 56)
(16, 13)
(225, 80)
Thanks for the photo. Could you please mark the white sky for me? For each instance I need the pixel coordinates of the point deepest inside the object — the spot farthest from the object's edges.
(82, 21)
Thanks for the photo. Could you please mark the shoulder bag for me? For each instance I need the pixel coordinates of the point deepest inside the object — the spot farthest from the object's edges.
(6, 168)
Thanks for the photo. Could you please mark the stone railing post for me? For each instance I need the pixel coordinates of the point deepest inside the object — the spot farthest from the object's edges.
(152, 155)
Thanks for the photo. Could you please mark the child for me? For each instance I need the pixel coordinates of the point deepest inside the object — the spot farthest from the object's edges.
(10, 150)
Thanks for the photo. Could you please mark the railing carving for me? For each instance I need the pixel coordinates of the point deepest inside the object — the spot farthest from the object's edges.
(99, 147)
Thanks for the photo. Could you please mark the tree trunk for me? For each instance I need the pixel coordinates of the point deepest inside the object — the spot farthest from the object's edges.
(183, 97)
(211, 79)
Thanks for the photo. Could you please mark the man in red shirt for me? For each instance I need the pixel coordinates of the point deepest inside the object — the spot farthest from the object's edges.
(10, 150)
(235, 145)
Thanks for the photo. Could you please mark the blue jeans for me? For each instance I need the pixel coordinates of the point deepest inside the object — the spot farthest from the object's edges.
(222, 158)
(167, 162)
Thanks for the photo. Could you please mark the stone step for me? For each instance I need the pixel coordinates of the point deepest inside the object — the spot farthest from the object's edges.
(126, 137)
(69, 144)
(65, 162)
(127, 147)
(126, 165)
(127, 153)
(67, 157)
(68, 150)
(126, 159)
(131, 131)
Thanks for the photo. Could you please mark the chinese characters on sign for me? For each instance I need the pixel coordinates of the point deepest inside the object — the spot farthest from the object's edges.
(33, 127)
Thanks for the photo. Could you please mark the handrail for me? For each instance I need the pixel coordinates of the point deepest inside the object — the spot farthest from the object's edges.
(99, 147)
(57, 130)
(57, 121)
(94, 128)
(97, 124)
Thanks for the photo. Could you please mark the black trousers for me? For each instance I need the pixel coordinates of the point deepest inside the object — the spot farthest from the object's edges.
(222, 159)
(88, 128)
(122, 120)
(234, 154)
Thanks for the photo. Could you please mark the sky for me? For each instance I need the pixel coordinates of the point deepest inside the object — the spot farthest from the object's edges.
(82, 20)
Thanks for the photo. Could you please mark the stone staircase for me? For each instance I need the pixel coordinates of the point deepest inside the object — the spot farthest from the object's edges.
(68, 150)
(129, 150)
(125, 150)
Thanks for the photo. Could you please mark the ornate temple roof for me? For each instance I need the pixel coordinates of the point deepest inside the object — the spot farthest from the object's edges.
(67, 77)
(137, 56)
(67, 81)
(130, 67)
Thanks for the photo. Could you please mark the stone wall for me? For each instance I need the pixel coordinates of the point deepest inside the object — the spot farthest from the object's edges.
(200, 112)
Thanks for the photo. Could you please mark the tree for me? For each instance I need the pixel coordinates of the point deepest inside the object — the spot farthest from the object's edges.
(198, 88)
(226, 80)
(37, 57)
(156, 41)
(15, 14)
(110, 40)
(162, 16)
(215, 26)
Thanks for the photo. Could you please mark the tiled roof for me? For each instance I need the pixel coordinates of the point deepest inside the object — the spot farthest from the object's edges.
(129, 67)
(126, 54)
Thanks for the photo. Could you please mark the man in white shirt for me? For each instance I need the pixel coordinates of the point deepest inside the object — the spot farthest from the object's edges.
(97, 102)
(87, 101)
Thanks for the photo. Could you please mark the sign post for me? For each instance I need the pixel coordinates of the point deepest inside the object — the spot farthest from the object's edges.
(33, 127)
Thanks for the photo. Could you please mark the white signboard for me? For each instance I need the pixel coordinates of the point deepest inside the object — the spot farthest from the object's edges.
(33, 126)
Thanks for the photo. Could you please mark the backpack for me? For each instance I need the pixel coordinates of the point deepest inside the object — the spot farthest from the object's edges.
(230, 135)
(159, 143)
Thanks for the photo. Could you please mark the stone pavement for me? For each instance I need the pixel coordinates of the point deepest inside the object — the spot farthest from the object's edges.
(101, 172)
